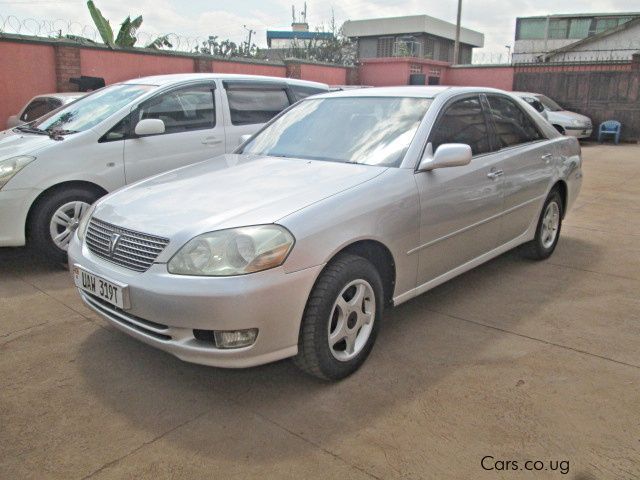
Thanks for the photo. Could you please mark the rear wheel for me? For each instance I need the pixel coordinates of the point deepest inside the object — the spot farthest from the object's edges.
(55, 220)
(341, 319)
(548, 229)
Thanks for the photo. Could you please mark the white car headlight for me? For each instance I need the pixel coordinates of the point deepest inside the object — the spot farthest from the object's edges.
(576, 123)
(84, 222)
(236, 251)
(10, 166)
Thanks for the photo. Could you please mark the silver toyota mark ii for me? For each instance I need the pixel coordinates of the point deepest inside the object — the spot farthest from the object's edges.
(343, 205)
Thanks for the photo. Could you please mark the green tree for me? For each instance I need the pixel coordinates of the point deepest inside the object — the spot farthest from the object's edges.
(126, 37)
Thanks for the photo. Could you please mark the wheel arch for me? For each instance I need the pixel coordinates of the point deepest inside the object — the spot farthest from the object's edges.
(380, 257)
(93, 187)
(563, 189)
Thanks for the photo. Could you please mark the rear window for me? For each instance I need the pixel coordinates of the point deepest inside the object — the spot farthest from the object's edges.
(254, 105)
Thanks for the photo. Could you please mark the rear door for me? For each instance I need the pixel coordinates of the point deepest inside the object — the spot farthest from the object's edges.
(194, 131)
(250, 104)
(460, 207)
(527, 161)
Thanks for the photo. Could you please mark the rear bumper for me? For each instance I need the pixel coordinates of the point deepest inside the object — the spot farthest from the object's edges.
(14, 208)
(165, 309)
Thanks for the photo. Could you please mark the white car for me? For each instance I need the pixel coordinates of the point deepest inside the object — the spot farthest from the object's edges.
(567, 123)
(41, 105)
(53, 169)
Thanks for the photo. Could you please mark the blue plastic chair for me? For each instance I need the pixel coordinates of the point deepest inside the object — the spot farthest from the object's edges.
(610, 127)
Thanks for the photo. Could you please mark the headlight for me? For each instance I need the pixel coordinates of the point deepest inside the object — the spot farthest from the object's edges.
(576, 123)
(236, 251)
(10, 166)
(84, 222)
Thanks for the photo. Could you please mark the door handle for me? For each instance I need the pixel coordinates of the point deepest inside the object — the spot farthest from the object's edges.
(493, 174)
(211, 141)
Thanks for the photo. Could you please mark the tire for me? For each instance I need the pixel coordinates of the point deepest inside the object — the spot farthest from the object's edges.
(543, 245)
(347, 278)
(41, 230)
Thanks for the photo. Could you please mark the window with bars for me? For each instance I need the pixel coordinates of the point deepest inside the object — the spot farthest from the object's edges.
(385, 47)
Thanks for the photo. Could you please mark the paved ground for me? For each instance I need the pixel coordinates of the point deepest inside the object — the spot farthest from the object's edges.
(515, 360)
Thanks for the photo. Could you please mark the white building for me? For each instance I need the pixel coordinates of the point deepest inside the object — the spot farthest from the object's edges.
(577, 37)
(411, 36)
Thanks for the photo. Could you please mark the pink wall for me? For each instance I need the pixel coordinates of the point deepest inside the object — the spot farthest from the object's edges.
(19, 81)
(382, 72)
(249, 68)
(119, 66)
(489, 76)
(324, 73)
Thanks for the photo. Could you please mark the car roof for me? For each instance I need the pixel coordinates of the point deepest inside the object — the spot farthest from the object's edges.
(526, 94)
(408, 91)
(160, 80)
(61, 95)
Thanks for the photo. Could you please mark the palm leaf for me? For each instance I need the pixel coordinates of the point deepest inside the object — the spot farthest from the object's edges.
(160, 42)
(102, 24)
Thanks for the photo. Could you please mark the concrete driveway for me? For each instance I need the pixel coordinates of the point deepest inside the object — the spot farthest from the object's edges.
(513, 361)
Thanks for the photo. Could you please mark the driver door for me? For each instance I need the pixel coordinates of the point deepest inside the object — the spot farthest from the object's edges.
(194, 131)
(460, 207)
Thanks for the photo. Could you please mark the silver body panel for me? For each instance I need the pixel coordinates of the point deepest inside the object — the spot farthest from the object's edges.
(436, 224)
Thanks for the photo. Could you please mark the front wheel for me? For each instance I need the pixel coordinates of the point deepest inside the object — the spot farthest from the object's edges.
(341, 319)
(548, 229)
(55, 220)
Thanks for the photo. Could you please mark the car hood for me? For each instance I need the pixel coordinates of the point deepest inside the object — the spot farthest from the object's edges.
(13, 143)
(227, 191)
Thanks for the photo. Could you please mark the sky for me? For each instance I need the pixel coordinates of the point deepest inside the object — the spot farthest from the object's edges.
(227, 19)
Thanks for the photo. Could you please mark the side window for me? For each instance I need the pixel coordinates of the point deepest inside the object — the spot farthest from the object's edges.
(300, 92)
(254, 105)
(462, 122)
(182, 110)
(513, 125)
(35, 109)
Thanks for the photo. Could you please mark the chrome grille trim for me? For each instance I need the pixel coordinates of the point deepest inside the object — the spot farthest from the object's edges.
(134, 250)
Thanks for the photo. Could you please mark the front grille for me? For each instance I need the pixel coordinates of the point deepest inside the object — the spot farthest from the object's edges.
(134, 250)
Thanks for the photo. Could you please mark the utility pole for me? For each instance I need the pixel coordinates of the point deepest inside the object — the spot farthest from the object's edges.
(456, 46)
(251, 32)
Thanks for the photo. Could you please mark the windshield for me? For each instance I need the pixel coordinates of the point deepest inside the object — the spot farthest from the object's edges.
(90, 110)
(367, 130)
(549, 104)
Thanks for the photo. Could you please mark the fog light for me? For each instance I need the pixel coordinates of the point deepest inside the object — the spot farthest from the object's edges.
(235, 338)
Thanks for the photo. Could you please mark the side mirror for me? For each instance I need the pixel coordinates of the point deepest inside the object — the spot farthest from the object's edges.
(447, 155)
(244, 138)
(13, 121)
(149, 126)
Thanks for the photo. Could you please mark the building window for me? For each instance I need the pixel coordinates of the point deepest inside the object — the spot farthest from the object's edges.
(429, 47)
(385, 47)
(531, 28)
(579, 27)
(558, 28)
(415, 68)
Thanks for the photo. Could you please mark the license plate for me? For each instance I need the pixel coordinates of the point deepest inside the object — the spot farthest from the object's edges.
(111, 292)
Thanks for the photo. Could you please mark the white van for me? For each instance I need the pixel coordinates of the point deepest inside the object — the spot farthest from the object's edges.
(53, 168)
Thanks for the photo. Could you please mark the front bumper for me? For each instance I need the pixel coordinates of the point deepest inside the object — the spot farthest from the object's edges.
(166, 308)
(578, 132)
(14, 208)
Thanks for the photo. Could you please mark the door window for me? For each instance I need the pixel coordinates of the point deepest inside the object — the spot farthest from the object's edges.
(463, 122)
(300, 92)
(182, 110)
(513, 126)
(251, 105)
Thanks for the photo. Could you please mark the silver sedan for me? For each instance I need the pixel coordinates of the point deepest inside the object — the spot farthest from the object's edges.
(344, 205)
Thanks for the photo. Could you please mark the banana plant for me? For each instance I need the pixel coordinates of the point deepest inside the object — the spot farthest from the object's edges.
(126, 37)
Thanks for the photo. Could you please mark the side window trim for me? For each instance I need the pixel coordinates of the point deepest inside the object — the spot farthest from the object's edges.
(494, 129)
(443, 111)
(130, 134)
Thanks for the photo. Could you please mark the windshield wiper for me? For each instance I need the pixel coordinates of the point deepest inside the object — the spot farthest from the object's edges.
(59, 133)
(29, 129)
